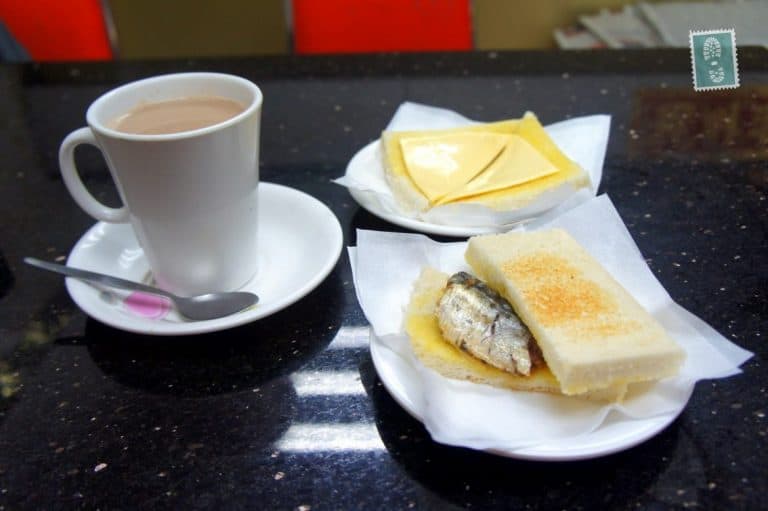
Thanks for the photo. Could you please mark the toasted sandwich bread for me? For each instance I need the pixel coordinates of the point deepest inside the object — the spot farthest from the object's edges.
(433, 351)
(484, 184)
(592, 333)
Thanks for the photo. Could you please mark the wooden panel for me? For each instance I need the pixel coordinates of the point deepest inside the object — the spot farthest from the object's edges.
(199, 28)
(717, 125)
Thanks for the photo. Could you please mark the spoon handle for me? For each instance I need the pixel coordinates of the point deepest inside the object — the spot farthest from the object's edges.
(98, 278)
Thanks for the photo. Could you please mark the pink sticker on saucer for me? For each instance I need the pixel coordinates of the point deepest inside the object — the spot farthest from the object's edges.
(147, 305)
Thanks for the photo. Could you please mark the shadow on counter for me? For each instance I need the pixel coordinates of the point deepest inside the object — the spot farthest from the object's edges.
(462, 475)
(220, 362)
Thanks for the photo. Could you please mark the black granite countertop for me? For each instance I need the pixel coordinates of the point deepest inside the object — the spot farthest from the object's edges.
(288, 412)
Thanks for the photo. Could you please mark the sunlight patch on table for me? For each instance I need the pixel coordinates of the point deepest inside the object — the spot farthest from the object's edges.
(350, 337)
(331, 438)
(327, 383)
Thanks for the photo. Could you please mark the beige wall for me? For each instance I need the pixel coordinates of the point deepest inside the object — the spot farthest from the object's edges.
(198, 28)
(528, 24)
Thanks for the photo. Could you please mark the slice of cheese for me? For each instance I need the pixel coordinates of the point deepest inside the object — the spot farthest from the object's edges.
(444, 163)
(568, 172)
(518, 163)
(513, 182)
(407, 194)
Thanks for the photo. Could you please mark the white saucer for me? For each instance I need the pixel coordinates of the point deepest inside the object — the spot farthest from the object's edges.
(367, 158)
(613, 435)
(300, 241)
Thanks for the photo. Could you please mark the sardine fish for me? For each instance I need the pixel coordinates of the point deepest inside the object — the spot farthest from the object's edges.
(478, 320)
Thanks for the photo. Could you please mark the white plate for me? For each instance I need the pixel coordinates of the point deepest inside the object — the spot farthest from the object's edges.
(367, 157)
(583, 139)
(611, 437)
(300, 241)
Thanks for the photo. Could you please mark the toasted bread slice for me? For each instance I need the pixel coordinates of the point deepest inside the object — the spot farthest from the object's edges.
(438, 354)
(592, 332)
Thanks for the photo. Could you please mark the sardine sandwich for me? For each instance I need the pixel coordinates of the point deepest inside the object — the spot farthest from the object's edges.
(541, 314)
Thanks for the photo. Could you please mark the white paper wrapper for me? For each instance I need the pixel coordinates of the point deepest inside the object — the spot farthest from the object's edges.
(482, 417)
(583, 139)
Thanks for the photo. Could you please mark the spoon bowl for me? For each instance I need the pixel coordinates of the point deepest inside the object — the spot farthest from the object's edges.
(198, 308)
(213, 305)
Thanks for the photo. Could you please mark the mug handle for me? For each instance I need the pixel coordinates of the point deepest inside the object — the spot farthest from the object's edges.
(75, 185)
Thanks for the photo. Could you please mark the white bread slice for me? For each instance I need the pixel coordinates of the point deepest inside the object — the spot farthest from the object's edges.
(591, 331)
(438, 354)
(408, 196)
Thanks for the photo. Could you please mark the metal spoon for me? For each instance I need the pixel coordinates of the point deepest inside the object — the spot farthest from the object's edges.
(208, 306)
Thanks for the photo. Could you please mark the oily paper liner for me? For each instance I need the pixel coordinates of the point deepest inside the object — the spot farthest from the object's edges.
(583, 139)
(385, 266)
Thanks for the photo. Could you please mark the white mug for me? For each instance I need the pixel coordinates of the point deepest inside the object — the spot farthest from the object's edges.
(191, 197)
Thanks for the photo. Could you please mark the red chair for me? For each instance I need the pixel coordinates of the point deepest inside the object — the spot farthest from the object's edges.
(354, 26)
(58, 30)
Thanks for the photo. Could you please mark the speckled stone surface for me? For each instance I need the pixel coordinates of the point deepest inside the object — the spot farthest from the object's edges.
(288, 412)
